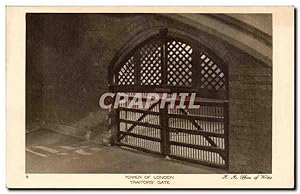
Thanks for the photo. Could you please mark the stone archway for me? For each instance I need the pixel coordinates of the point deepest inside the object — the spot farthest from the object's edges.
(171, 63)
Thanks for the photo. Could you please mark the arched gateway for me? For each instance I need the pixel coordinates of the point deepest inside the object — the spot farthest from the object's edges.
(170, 64)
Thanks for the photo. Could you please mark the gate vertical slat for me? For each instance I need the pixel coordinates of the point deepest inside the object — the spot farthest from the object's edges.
(226, 134)
(162, 131)
(167, 130)
(118, 122)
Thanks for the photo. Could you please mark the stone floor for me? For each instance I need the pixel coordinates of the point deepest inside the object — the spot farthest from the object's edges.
(51, 152)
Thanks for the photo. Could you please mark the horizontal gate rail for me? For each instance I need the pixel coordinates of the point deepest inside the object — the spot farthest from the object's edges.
(199, 147)
(140, 136)
(196, 117)
(201, 162)
(211, 103)
(140, 124)
(196, 132)
(137, 148)
(197, 101)
(149, 112)
(201, 102)
(142, 88)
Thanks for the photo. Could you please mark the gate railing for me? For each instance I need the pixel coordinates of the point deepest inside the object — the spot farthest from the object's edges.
(194, 135)
(200, 136)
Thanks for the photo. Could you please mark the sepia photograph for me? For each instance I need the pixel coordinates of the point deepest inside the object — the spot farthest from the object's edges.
(72, 60)
(159, 93)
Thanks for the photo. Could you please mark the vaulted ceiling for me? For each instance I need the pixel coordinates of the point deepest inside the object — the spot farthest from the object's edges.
(252, 33)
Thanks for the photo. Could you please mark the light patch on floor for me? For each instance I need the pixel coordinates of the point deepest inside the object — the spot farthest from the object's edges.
(36, 153)
(82, 152)
(67, 147)
(47, 149)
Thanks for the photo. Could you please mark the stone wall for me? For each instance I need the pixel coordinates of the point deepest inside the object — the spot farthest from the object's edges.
(67, 60)
(250, 115)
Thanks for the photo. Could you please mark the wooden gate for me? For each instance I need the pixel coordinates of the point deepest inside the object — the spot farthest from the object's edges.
(165, 64)
(195, 135)
(199, 135)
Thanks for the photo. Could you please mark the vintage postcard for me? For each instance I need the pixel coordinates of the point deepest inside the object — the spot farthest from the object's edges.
(150, 97)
